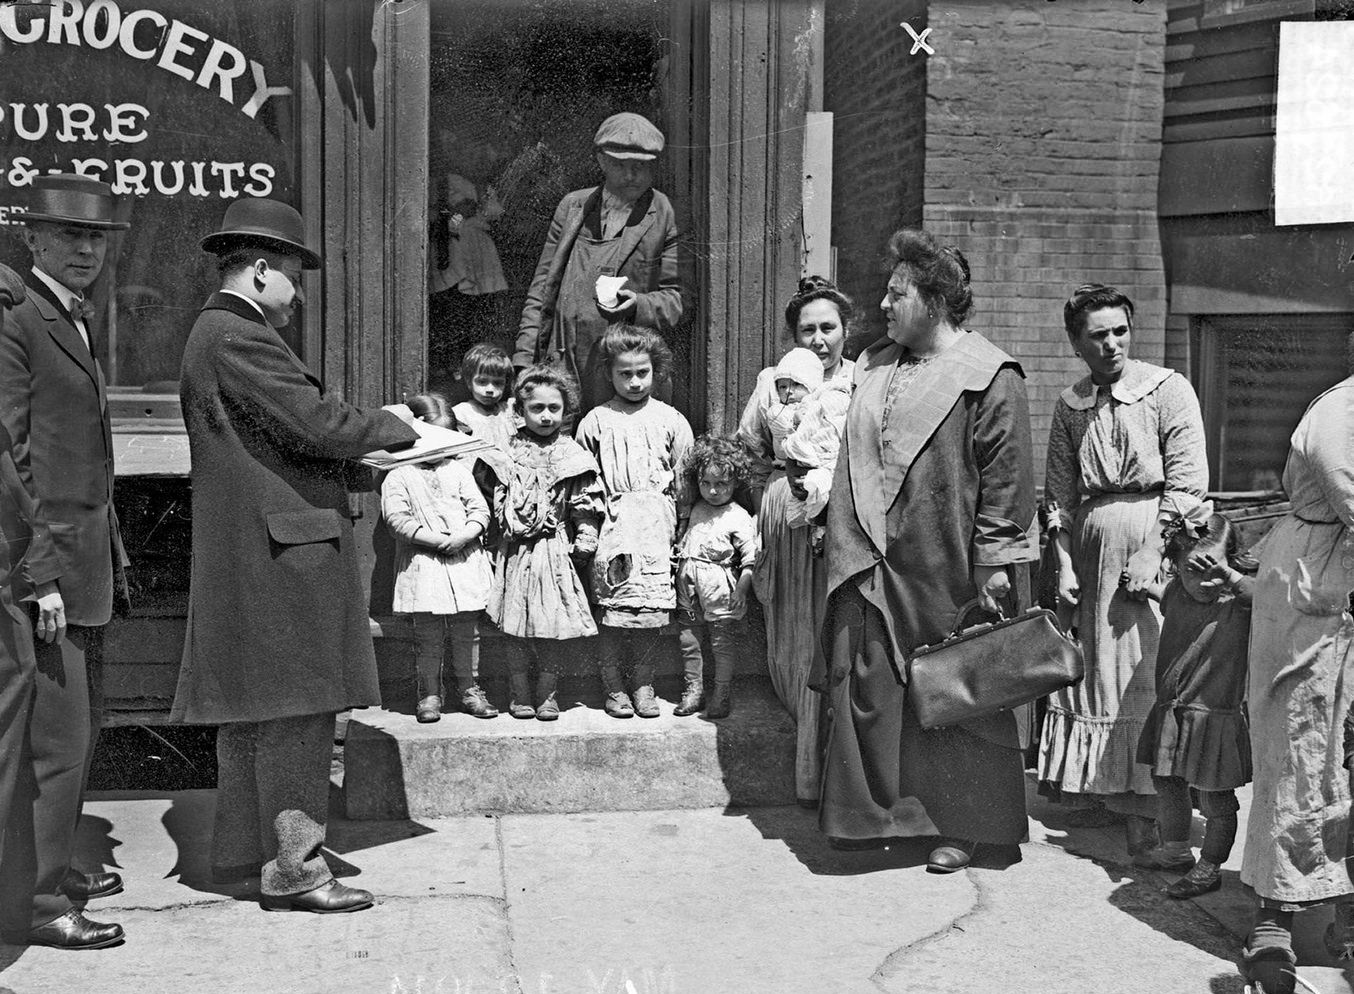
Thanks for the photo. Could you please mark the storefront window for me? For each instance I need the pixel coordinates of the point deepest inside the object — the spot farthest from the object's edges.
(1259, 373)
(182, 106)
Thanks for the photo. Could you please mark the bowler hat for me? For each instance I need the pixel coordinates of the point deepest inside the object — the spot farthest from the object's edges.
(69, 198)
(629, 136)
(262, 219)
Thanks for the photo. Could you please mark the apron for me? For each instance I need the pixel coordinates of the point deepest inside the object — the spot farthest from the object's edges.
(579, 325)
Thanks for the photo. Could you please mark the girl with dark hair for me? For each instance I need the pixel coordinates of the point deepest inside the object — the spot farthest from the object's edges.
(714, 570)
(1196, 740)
(789, 577)
(442, 573)
(639, 443)
(1125, 457)
(932, 507)
(487, 372)
(547, 510)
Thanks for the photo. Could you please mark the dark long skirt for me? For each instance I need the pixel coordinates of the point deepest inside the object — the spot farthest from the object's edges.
(884, 775)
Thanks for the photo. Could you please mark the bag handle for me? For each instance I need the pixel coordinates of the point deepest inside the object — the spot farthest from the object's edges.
(965, 610)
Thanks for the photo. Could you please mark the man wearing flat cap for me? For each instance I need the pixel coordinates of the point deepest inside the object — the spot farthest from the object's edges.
(54, 409)
(278, 639)
(623, 228)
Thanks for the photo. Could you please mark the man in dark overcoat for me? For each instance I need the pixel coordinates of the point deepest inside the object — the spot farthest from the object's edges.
(622, 228)
(55, 410)
(278, 639)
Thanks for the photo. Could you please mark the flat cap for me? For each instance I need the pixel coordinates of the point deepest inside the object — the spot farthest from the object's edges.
(629, 136)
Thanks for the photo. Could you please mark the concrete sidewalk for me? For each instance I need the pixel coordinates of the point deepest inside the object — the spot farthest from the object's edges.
(679, 902)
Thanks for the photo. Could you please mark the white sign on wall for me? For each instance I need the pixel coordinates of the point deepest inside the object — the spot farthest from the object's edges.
(1314, 124)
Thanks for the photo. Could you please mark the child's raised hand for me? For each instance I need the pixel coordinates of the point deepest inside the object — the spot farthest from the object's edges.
(1215, 574)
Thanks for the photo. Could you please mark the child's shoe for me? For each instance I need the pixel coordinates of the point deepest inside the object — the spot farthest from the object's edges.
(1141, 835)
(618, 705)
(474, 701)
(429, 709)
(691, 697)
(520, 705)
(719, 705)
(548, 708)
(1269, 969)
(1339, 937)
(1167, 857)
(646, 705)
(1205, 878)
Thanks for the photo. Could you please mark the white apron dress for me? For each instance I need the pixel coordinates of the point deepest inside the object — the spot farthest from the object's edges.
(1300, 687)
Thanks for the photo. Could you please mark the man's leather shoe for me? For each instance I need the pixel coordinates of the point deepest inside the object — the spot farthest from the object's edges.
(950, 856)
(74, 931)
(87, 886)
(328, 899)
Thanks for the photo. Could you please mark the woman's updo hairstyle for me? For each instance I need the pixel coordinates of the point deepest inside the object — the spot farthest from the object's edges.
(1093, 297)
(940, 273)
(813, 288)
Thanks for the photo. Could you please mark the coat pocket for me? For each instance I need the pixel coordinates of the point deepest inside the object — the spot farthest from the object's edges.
(319, 524)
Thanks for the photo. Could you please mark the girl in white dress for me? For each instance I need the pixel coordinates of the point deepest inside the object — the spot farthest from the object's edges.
(442, 573)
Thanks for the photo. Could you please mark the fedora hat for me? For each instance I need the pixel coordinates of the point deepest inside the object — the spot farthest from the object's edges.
(262, 219)
(69, 198)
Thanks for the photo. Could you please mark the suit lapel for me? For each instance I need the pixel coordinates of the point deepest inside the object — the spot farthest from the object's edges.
(572, 225)
(61, 326)
(634, 234)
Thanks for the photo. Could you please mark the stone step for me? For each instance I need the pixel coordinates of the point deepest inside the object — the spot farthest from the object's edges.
(585, 761)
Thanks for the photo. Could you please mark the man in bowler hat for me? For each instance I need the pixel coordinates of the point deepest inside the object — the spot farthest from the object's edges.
(54, 409)
(278, 639)
(622, 228)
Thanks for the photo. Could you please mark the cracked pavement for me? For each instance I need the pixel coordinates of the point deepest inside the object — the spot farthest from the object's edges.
(655, 902)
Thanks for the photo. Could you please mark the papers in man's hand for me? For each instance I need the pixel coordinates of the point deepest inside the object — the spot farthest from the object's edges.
(434, 444)
(607, 289)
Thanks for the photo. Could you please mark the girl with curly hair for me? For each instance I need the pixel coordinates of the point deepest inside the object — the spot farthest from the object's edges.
(639, 443)
(714, 570)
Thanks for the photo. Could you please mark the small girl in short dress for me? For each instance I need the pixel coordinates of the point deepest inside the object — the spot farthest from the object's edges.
(1197, 739)
(442, 573)
(714, 570)
(547, 505)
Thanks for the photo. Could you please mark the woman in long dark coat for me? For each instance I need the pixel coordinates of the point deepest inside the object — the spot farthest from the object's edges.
(932, 506)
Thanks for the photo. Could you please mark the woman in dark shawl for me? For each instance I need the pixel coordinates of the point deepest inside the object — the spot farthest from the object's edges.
(932, 506)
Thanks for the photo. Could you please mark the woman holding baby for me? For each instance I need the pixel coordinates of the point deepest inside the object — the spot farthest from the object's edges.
(932, 506)
(790, 576)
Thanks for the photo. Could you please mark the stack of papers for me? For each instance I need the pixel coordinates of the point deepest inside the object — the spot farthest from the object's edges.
(434, 444)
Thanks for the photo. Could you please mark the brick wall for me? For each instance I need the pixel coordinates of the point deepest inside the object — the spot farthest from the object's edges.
(877, 94)
(1043, 137)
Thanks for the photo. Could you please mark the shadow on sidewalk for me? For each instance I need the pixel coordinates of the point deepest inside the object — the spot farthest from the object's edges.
(188, 823)
(1214, 923)
(797, 828)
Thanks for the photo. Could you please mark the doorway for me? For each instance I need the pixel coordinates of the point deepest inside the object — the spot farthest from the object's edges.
(517, 92)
